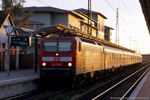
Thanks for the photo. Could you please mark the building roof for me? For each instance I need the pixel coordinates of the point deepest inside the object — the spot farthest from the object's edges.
(109, 27)
(45, 9)
(57, 10)
(2, 18)
(31, 22)
(50, 9)
(85, 11)
(145, 4)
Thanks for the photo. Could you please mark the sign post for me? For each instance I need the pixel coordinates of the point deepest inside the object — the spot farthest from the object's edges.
(9, 30)
(36, 55)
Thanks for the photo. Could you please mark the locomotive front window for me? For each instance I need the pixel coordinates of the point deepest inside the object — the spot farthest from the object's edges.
(61, 46)
(64, 46)
(50, 46)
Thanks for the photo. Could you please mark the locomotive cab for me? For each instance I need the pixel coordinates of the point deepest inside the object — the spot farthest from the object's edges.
(57, 58)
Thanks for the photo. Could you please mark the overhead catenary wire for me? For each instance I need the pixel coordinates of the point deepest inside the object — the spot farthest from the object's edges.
(127, 9)
(131, 17)
(42, 2)
(116, 11)
(110, 5)
(82, 3)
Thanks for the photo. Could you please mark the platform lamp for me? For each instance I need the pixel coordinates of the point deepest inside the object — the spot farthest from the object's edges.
(8, 29)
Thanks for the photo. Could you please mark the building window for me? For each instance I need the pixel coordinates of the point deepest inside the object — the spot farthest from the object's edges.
(3, 45)
(39, 26)
(90, 31)
(0, 46)
(31, 27)
(95, 24)
(85, 30)
(99, 26)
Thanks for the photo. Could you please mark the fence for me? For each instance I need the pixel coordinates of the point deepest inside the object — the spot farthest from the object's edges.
(26, 61)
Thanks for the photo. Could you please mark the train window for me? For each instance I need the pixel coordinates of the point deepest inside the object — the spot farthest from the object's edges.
(64, 46)
(79, 46)
(50, 46)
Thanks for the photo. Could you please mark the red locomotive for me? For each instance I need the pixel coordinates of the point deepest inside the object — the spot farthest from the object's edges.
(78, 58)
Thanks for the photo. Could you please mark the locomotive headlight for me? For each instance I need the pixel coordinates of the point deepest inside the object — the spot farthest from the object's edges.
(56, 54)
(44, 64)
(69, 64)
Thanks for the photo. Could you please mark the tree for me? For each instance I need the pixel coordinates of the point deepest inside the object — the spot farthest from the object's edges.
(7, 5)
(17, 12)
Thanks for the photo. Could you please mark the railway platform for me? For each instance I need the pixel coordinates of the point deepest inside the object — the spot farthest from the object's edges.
(19, 81)
(142, 91)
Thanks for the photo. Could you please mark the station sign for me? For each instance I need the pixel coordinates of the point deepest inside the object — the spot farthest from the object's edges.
(20, 41)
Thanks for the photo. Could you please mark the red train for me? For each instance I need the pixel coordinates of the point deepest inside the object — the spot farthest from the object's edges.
(78, 58)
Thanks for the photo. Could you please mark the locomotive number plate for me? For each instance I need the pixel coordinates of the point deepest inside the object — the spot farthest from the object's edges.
(57, 64)
(57, 59)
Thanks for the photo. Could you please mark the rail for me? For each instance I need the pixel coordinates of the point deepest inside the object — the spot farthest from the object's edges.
(117, 84)
(132, 87)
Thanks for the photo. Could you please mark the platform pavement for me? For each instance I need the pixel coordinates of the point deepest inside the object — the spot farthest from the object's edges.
(20, 81)
(142, 91)
(18, 75)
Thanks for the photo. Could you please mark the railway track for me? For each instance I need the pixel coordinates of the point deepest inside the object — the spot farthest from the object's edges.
(126, 94)
(117, 91)
(70, 93)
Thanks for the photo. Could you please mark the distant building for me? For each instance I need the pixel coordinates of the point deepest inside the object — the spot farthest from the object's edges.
(48, 15)
(76, 19)
(99, 18)
(145, 57)
(108, 33)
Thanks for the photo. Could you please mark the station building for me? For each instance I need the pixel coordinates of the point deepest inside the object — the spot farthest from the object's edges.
(5, 19)
(76, 19)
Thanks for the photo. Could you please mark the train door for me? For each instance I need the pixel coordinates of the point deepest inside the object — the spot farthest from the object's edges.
(119, 60)
(79, 59)
(124, 58)
(113, 59)
(127, 59)
(102, 59)
(105, 60)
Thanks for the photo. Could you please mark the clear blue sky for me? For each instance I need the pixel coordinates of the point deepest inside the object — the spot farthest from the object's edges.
(131, 19)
